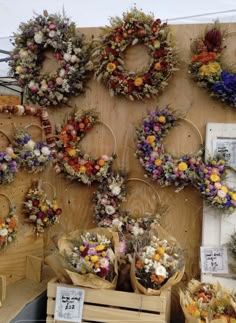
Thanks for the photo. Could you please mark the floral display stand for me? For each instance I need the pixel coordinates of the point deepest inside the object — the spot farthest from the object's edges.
(107, 306)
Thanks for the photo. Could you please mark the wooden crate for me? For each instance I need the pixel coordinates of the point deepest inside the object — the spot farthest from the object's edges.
(108, 306)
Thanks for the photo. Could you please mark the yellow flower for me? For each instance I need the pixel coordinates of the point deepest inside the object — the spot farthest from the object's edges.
(44, 208)
(210, 69)
(214, 178)
(158, 162)
(83, 270)
(111, 67)
(213, 162)
(94, 259)
(151, 139)
(224, 189)
(82, 169)
(100, 247)
(104, 254)
(233, 196)
(156, 257)
(222, 161)
(81, 248)
(182, 166)
(162, 119)
(86, 257)
(161, 251)
(19, 69)
(72, 152)
(156, 43)
(138, 81)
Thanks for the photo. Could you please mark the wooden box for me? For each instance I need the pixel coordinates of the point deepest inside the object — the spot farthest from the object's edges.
(109, 306)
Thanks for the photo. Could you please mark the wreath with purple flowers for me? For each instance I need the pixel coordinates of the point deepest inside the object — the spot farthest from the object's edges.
(191, 169)
(207, 70)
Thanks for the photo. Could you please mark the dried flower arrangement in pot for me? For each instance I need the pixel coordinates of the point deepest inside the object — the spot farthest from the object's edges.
(8, 225)
(207, 69)
(135, 27)
(31, 155)
(70, 160)
(56, 33)
(39, 209)
(8, 163)
(158, 262)
(89, 257)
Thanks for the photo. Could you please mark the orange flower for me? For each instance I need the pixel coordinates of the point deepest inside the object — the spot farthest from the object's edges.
(82, 169)
(157, 66)
(156, 257)
(158, 162)
(138, 81)
(162, 119)
(12, 223)
(101, 162)
(204, 57)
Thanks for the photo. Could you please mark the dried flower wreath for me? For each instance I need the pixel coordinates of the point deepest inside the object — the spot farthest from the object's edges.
(56, 33)
(135, 27)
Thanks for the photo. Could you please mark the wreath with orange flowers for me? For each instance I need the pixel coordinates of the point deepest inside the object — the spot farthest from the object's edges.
(135, 28)
(68, 157)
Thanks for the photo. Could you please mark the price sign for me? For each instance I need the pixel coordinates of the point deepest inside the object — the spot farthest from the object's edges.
(69, 304)
(214, 260)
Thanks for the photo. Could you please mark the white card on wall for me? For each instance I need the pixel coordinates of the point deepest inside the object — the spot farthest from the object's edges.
(69, 304)
(214, 260)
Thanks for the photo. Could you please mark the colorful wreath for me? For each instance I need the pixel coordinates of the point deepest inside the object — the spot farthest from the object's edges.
(34, 156)
(69, 159)
(41, 211)
(207, 70)
(111, 192)
(8, 163)
(8, 225)
(189, 169)
(135, 27)
(57, 33)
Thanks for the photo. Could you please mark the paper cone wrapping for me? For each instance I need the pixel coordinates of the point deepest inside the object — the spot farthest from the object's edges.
(86, 280)
(138, 288)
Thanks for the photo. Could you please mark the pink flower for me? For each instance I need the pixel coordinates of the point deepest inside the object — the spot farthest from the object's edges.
(59, 81)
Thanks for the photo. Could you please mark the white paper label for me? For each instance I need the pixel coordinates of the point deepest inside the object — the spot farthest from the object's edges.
(69, 304)
(214, 260)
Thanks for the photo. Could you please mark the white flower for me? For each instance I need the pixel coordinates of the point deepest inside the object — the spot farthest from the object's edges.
(109, 209)
(23, 53)
(104, 263)
(52, 33)
(3, 232)
(161, 271)
(221, 194)
(136, 231)
(150, 251)
(33, 217)
(74, 59)
(45, 151)
(67, 57)
(38, 37)
(30, 145)
(117, 224)
(62, 72)
(37, 152)
(115, 189)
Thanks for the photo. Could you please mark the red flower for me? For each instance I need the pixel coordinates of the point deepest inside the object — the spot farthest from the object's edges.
(35, 203)
(213, 40)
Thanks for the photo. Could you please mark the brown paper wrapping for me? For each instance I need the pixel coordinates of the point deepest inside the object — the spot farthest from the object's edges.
(86, 280)
(138, 288)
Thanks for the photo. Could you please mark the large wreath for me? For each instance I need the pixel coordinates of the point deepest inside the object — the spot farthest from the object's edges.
(69, 159)
(191, 169)
(207, 70)
(135, 27)
(56, 33)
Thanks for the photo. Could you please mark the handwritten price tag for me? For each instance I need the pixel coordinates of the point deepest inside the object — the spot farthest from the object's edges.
(69, 304)
(214, 260)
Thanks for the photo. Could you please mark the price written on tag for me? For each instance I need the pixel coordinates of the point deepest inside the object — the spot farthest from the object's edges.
(69, 304)
(214, 260)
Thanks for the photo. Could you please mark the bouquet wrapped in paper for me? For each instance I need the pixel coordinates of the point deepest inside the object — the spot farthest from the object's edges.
(207, 303)
(158, 263)
(90, 258)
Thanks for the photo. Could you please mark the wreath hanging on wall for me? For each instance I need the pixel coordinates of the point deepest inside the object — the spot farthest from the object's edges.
(206, 67)
(190, 169)
(136, 27)
(69, 159)
(56, 33)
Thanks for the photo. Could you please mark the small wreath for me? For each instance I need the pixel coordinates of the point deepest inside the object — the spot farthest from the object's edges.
(70, 160)
(41, 211)
(8, 163)
(135, 27)
(8, 225)
(207, 70)
(34, 156)
(162, 167)
(111, 192)
(57, 33)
